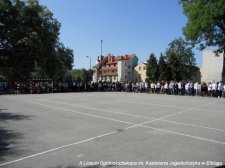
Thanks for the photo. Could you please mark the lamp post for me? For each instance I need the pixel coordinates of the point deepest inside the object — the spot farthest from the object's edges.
(90, 60)
(101, 57)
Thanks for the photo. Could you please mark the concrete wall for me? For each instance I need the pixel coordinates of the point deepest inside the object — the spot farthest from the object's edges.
(212, 67)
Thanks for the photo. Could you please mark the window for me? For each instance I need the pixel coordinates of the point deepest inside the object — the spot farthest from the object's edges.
(139, 68)
(144, 68)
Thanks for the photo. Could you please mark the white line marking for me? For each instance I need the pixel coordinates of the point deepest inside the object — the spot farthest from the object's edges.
(78, 112)
(93, 108)
(193, 125)
(214, 111)
(183, 111)
(139, 116)
(186, 135)
(153, 104)
(61, 147)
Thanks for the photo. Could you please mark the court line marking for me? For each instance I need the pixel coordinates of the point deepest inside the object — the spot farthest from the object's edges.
(193, 125)
(183, 111)
(98, 109)
(61, 147)
(96, 137)
(186, 135)
(214, 111)
(153, 104)
(110, 133)
(78, 112)
(139, 116)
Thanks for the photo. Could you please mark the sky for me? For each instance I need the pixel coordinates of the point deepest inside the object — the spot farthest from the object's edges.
(138, 27)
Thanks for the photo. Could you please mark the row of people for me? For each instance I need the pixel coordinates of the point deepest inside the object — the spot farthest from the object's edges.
(212, 89)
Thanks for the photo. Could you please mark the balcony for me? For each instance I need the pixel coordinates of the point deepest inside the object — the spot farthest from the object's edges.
(108, 74)
(109, 68)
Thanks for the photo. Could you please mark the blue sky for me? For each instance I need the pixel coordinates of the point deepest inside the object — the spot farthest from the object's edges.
(136, 27)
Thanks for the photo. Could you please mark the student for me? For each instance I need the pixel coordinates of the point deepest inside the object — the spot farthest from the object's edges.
(146, 87)
(204, 89)
(166, 87)
(214, 88)
(220, 89)
(224, 91)
(180, 88)
(152, 87)
(158, 87)
(196, 89)
(187, 86)
(210, 89)
(171, 88)
(199, 89)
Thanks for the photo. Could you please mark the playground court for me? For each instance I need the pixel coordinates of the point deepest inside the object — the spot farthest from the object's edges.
(111, 129)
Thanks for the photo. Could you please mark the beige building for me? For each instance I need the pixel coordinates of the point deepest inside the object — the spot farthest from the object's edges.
(139, 74)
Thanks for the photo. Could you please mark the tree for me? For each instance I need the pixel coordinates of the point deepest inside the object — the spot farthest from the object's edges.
(206, 23)
(185, 57)
(29, 40)
(81, 75)
(152, 68)
(162, 68)
(174, 66)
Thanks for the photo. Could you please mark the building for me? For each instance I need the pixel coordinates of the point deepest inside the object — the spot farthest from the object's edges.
(139, 73)
(213, 67)
(115, 68)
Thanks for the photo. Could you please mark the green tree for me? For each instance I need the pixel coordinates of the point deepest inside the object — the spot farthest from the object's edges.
(162, 69)
(174, 66)
(185, 56)
(82, 75)
(152, 68)
(29, 39)
(206, 22)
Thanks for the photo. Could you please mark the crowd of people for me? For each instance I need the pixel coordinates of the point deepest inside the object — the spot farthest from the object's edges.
(211, 89)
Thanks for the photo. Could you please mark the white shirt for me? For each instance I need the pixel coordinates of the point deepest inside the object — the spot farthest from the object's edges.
(214, 86)
(196, 86)
(179, 85)
(210, 87)
(166, 86)
(220, 86)
(152, 85)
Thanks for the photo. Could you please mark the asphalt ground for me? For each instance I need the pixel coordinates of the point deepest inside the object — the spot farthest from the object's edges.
(93, 130)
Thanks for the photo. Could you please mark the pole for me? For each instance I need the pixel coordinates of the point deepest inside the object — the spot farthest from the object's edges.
(90, 62)
(101, 46)
(10, 79)
(101, 57)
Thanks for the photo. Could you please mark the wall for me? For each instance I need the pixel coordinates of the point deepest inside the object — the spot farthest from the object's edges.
(212, 66)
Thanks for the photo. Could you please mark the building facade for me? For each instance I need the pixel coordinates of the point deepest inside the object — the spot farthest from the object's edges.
(139, 73)
(213, 67)
(115, 68)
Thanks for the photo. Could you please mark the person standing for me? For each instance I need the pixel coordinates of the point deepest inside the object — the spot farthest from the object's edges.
(220, 89)
(171, 88)
(210, 89)
(214, 88)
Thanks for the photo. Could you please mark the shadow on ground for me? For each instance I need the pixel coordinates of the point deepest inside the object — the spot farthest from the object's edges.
(8, 138)
(4, 116)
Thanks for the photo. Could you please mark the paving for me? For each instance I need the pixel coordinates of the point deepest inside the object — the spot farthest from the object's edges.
(111, 129)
